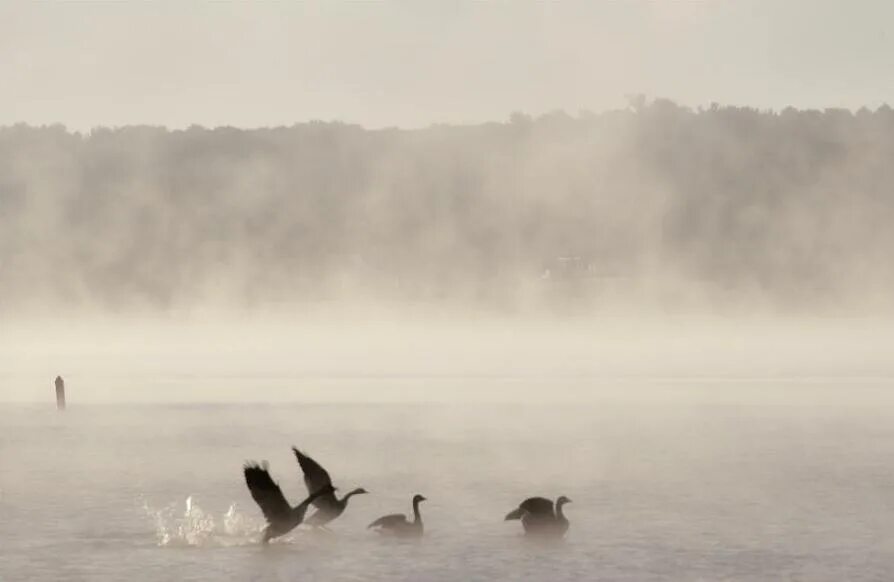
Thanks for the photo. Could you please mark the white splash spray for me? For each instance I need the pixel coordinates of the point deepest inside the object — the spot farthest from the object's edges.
(188, 524)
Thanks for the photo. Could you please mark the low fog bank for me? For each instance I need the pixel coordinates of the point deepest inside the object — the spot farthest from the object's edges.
(653, 207)
(344, 359)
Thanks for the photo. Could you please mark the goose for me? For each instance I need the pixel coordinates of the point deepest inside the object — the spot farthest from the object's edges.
(315, 478)
(281, 517)
(397, 524)
(539, 519)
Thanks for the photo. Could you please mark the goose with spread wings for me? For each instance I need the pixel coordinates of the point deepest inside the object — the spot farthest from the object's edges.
(328, 505)
(397, 524)
(281, 517)
(539, 518)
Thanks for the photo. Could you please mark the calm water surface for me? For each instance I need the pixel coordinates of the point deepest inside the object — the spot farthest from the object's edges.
(666, 489)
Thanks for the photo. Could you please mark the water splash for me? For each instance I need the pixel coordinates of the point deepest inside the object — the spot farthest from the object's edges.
(187, 524)
(235, 523)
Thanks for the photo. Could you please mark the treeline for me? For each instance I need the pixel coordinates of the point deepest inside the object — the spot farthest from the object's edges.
(655, 203)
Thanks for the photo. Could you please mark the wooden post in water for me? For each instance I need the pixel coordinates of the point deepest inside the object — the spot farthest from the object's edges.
(60, 393)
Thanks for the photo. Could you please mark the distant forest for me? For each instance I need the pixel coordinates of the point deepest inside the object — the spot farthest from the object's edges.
(655, 203)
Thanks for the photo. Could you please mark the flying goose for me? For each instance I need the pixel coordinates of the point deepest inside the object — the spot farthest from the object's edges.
(315, 478)
(281, 517)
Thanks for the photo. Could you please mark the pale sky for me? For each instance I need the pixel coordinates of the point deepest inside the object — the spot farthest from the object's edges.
(414, 63)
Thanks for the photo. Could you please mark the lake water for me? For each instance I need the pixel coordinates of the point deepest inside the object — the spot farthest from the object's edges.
(727, 481)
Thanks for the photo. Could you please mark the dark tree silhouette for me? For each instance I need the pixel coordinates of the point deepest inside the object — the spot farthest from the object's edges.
(657, 202)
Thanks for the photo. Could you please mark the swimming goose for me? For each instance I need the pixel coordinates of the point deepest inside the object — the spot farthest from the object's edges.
(315, 478)
(281, 518)
(397, 524)
(538, 518)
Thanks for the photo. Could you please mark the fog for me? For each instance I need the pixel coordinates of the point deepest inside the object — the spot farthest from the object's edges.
(636, 253)
(655, 207)
(529, 360)
(653, 241)
(717, 406)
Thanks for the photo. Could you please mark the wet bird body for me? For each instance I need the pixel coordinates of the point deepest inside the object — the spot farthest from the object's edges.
(398, 525)
(280, 516)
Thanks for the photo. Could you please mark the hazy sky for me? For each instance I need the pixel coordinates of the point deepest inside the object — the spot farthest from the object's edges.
(414, 63)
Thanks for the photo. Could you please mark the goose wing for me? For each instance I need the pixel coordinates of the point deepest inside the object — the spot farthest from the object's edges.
(516, 513)
(539, 506)
(266, 493)
(316, 478)
(390, 521)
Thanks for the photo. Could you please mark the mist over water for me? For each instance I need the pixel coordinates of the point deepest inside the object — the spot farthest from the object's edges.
(692, 448)
(428, 359)
(633, 253)
(662, 489)
(679, 317)
(697, 354)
